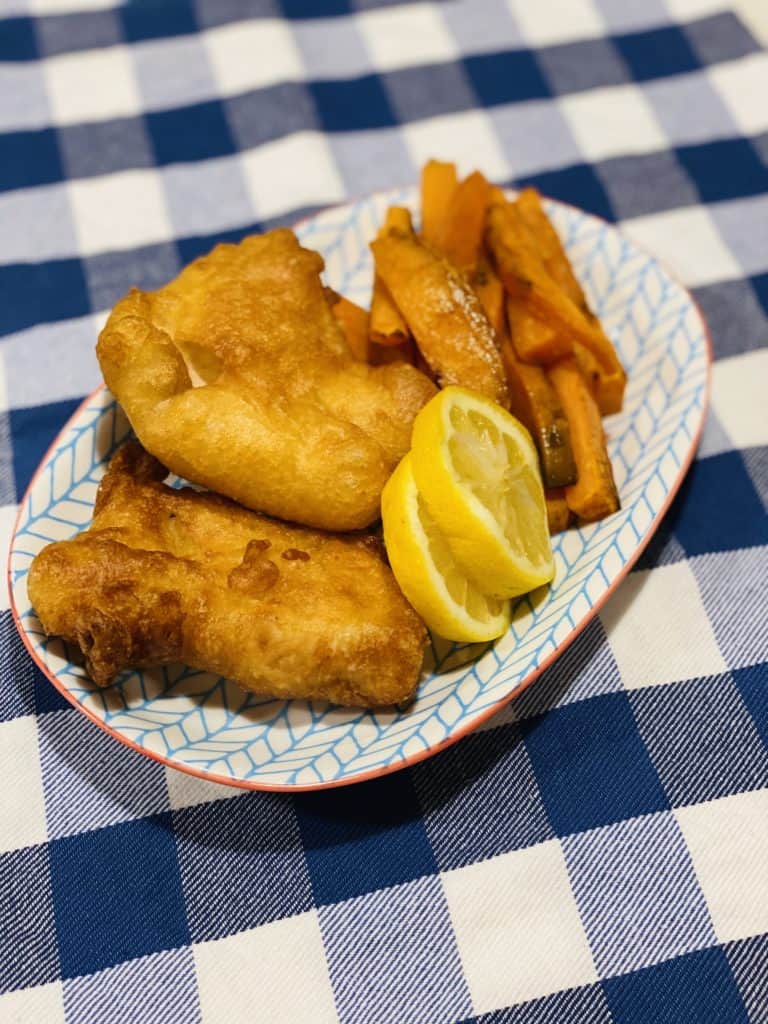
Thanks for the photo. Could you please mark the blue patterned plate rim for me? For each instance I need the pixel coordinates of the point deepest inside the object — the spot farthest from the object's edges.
(328, 231)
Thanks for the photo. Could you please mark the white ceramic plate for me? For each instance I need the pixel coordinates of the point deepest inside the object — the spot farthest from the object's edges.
(209, 727)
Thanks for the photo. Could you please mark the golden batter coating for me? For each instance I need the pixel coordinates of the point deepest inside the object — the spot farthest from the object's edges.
(167, 575)
(286, 420)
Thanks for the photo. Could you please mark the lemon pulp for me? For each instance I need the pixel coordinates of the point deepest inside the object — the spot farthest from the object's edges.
(423, 563)
(477, 470)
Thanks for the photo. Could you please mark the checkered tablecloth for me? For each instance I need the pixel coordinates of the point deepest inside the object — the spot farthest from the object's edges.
(599, 852)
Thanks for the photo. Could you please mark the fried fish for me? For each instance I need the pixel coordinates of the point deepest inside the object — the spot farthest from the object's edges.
(166, 575)
(286, 420)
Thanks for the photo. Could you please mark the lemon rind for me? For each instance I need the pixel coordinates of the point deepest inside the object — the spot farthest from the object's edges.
(420, 581)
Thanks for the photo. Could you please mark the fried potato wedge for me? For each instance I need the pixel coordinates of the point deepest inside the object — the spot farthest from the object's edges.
(534, 401)
(525, 276)
(387, 324)
(438, 183)
(490, 291)
(444, 315)
(599, 361)
(558, 513)
(461, 236)
(354, 321)
(594, 494)
(535, 340)
(380, 355)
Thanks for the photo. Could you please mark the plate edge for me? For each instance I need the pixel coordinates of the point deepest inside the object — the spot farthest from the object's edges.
(487, 713)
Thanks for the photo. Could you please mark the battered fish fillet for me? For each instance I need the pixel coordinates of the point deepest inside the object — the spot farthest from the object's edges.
(164, 575)
(287, 420)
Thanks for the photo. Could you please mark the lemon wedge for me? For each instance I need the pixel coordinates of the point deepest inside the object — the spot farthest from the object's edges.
(426, 570)
(476, 468)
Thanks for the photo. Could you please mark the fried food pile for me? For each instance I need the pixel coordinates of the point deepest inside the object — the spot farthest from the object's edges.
(287, 421)
(167, 575)
(484, 296)
(248, 377)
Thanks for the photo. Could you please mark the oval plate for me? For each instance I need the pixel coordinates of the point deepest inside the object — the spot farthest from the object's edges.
(209, 727)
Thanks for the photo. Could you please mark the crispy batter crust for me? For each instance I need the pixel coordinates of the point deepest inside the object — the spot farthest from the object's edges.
(164, 575)
(286, 421)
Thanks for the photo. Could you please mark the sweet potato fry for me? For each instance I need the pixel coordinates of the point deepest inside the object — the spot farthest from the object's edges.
(558, 513)
(534, 402)
(548, 243)
(438, 183)
(399, 219)
(594, 494)
(604, 368)
(378, 355)
(609, 391)
(535, 341)
(462, 230)
(607, 388)
(490, 291)
(589, 366)
(443, 314)
(525, 277)
(354, 322)
(387, 326)
(609, 376)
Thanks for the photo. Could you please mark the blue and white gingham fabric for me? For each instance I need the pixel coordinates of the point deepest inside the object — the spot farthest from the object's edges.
(599, 851)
